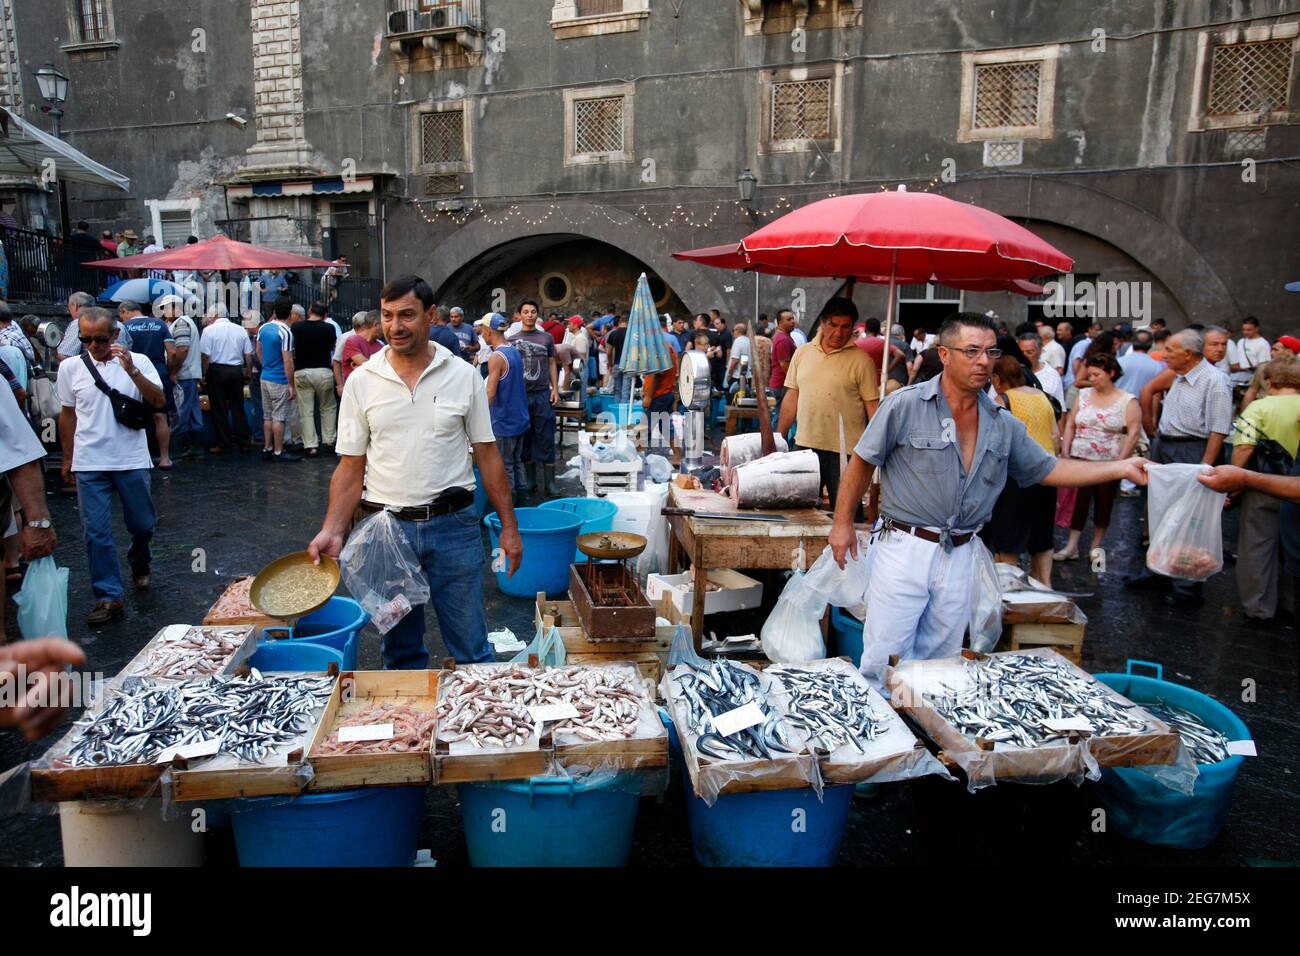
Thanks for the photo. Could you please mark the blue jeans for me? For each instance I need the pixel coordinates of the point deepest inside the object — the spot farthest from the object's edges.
(450, 548)
(189, 417)
(95, 501)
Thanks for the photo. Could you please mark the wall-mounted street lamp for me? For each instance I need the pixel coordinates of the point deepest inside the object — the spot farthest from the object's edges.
(746, 185)
(54, 90)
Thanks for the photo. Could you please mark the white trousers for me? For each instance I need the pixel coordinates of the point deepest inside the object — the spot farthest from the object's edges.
(918, 602)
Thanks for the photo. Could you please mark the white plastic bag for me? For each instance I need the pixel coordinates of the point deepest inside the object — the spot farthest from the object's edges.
(380, 570)
(792, 632)
(985, 599)
(43, 600)
(1186, 523)
(846, 587)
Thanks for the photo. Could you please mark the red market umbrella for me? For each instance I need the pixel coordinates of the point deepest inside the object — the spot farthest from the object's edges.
(895, 238)
(217, 253)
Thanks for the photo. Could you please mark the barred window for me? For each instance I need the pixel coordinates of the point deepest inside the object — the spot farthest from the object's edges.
(594, 8)
(92, 21)
(1006, 94)
(598, 125)
(1250, 77)
(442, 137)
(801, 110)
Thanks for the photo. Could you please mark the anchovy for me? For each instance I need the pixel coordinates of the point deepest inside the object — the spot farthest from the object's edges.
(723, 686)
(1203, 742)
(830, 707)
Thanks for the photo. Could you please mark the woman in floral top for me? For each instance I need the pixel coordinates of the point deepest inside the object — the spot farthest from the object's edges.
(1104, 425)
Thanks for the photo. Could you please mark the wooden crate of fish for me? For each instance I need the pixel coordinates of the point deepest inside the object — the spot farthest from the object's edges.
(1065, 639)
(563, 615)
(378, 731)
(121, 747)
(854, 732)
(615, 725)
(235, 606)
(733, 739)
(1026, 716)
(271, 723)
(180, 651)
(485, 730)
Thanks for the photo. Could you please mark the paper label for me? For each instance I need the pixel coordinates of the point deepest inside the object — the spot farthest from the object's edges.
(1242, 748)
(204, 748)
(741, 638)
(544, 712)
(1065, 724)
(734, 721)
(359, 732)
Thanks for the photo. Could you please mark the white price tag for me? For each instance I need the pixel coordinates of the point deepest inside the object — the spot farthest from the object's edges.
(1242, 748)
(358, 732)
(734, 721)
(544, 712)
(1065, 724)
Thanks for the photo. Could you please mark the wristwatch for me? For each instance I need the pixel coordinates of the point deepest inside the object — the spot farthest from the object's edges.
(40, 523)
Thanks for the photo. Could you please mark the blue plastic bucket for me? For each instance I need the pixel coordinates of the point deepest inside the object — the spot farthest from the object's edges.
(375, 826)
(766, 828)
(295, 656)
(549, 542)
(335, 625)
(548, 821)
(597, 514)
(625, 414)
(1142, 809)
(846, 635)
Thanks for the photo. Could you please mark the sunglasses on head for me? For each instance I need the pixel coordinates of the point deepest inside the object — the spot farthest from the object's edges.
(97, 339)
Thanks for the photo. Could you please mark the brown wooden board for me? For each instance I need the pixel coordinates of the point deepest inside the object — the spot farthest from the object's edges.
(1066, 639)
(1031, 764)
(251, 616)
(54, 784)
(604, 623)
(357, 690)
(564, 616)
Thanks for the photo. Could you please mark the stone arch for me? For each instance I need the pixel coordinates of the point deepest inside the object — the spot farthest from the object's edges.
(1148, 240)
(699, 288)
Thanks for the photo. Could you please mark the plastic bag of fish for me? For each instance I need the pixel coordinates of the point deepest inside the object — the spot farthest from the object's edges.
(250, 718)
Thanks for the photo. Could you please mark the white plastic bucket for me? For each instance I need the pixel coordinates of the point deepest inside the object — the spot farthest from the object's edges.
(120, 833)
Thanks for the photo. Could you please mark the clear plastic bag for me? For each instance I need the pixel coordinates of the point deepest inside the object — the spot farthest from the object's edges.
(548, 646)
(380, 570)
(43, 600)
(1186, 523)
(841, 587)
(985, 599)
(792, 632)
(658, 469)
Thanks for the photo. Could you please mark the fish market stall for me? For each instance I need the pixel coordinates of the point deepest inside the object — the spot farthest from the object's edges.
(379, 728)
(647, 653)
(739, 539)
(1026, 716)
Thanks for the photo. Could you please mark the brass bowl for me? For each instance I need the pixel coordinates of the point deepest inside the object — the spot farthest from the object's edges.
(619, 545)
(292, 586)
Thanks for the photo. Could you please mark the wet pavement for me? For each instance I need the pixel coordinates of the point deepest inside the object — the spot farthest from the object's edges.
(228, 516)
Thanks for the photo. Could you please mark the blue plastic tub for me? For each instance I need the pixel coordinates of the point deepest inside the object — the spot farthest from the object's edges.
(758, 829)
(548, 821)
(625, 414)
(846, 635)
(335, 625)
(295, 656)
(1142, 809)
(549, 538)
(375, 826)
(597, 514)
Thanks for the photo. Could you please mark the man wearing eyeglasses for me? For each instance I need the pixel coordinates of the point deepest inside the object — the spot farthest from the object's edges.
(944, 450)
(107, 456)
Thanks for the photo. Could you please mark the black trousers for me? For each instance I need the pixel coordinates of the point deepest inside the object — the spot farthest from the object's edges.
(226, 393)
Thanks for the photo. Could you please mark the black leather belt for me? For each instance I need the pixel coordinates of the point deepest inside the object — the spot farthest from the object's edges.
(451, 500)
(1179, 438)
(925, 534)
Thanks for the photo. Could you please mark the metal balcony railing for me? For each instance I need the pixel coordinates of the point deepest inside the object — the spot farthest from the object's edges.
(43, 268)
(430, 16)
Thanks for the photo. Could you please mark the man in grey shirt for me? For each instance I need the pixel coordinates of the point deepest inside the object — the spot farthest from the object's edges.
(944, 450)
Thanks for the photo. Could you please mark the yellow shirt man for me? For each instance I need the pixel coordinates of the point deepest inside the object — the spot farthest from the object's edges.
(834, 386)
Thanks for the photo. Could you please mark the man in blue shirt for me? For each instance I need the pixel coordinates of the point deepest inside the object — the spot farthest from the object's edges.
(152, 338)
(275, 354)
(1138, 366)
(274, 285)
(440, 331)
(944, 450)
(508, 401)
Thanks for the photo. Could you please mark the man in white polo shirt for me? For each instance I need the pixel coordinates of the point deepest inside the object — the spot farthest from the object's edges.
(107, 456)
(227, 365)
(407, 422)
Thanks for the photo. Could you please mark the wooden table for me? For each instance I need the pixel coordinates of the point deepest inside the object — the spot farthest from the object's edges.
(736, 414)
(710, 543)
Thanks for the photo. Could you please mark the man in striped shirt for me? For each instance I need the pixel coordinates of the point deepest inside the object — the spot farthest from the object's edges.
(1195, 419)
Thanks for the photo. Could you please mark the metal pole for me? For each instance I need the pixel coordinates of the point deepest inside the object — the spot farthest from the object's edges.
(889, 321)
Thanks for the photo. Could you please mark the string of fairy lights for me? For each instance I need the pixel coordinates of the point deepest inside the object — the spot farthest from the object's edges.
(541, 212)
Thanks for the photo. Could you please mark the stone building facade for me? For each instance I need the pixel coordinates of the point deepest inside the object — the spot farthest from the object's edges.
(563, 146)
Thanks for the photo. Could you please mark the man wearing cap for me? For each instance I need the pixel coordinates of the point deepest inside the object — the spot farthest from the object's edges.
(128, 247)
(507, 400)
(185, 363)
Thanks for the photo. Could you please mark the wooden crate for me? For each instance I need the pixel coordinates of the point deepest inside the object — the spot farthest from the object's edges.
(563, 615)
(52, 784)
(241, 654)
(1156, 746)
(513, 764)
(355, 691)
(1065, 639)
(610, 625)
(254, 616)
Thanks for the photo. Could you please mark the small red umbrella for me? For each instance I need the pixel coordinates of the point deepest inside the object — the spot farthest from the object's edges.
(217, 253)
